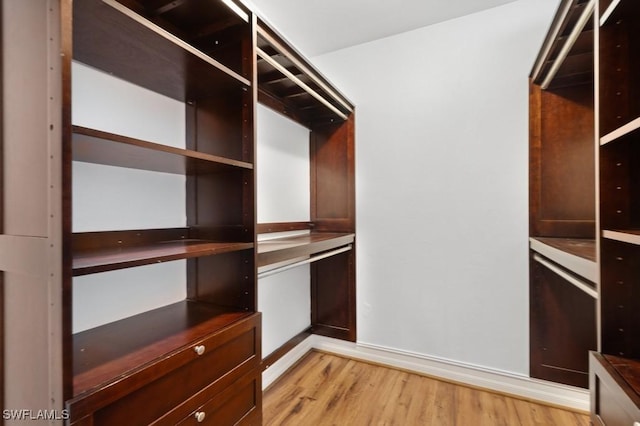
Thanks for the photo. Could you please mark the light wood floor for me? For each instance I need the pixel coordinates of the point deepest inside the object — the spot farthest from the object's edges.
(325, 389)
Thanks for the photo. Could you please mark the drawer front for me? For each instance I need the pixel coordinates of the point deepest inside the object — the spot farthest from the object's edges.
(225, 358)
(238, 404)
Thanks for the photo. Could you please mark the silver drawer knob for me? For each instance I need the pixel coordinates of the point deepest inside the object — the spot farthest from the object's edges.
(199, 349)
(200, 415)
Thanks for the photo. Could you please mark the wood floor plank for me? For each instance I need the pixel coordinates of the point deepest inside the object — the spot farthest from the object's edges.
(325, 389)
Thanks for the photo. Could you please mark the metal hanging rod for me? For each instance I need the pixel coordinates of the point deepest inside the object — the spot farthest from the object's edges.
(299, 82)
(304, 262)
(570, 278)
(566, 48)
(302, 67)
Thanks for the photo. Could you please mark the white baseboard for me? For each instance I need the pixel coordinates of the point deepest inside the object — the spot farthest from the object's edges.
(495, 380)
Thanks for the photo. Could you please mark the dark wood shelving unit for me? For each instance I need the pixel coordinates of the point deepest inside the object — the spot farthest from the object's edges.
(615, 371)
(562, 190)
(292, 87)
(186, 357)
(194, 354)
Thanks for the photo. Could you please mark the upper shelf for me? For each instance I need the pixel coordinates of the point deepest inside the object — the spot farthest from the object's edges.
(156, 53)
(289, 248)
(95, 146)
(288, 83)
(566, 58)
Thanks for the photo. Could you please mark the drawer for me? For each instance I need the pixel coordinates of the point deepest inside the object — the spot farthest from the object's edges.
(238, 404)
(225, 357)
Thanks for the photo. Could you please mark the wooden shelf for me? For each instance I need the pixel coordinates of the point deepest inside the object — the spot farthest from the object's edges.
(144, 54)
(102, 259)
(289, 248)
(631, 236)
(98, 147)
(119, 350)
(577, 256)
(620, 132)
(579, 247)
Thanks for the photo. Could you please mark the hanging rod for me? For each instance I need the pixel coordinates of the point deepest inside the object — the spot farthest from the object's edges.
(570, 278)
(553, 33)
(304, 262)
(302, 67)
(566, 48)
(299, 82)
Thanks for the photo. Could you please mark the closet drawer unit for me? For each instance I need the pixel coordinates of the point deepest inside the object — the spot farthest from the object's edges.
(238, 405)
(212, 364)
(614, 402)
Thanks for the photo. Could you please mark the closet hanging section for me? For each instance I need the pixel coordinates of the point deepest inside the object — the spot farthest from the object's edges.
(566, 58)
(288, 83)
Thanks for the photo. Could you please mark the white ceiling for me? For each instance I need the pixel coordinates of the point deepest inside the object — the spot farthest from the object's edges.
(320, 26)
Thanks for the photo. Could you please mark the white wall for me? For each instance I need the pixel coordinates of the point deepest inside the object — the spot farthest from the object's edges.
(442, 134)
(109, 198)
(283, 194)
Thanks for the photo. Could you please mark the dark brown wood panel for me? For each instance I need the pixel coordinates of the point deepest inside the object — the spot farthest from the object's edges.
(241, 406)
(563, 328)
(562, 168)
(333, 177)
(227, 279)
(218, 125)
(333, 311)
(620, 299)
(620, 183)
